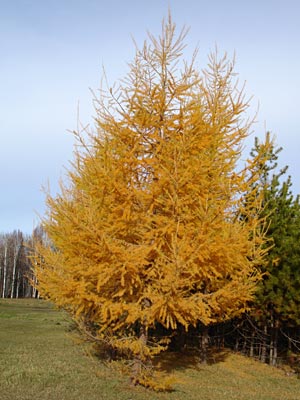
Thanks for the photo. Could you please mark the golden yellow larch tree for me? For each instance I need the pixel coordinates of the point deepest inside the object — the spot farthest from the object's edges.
(152, 228)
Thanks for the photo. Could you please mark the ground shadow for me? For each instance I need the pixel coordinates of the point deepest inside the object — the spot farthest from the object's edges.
(170, 361)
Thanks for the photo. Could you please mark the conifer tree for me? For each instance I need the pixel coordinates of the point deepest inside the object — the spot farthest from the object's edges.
(277, 301)
(147, 232)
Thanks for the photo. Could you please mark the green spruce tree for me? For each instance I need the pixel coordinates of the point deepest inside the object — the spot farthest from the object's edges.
(277, 303)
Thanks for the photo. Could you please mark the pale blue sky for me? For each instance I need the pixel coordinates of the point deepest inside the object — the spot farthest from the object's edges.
(52, 52)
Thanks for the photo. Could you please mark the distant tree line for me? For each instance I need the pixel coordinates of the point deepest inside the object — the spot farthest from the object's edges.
(17, 279)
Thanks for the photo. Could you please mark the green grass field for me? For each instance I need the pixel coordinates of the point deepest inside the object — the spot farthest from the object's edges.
(39, 359)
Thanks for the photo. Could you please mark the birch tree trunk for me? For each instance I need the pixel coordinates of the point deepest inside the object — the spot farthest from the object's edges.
(18, 243)
(13, 277)
(35, 292)
(4, 270)
(18, 284)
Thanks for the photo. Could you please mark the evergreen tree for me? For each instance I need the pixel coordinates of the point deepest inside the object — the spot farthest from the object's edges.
(277, 301)
(147, 233)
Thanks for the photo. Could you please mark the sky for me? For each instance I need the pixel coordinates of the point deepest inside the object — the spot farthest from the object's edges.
(53, 54)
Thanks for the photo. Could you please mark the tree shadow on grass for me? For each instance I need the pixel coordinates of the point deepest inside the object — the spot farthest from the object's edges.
(171, 361)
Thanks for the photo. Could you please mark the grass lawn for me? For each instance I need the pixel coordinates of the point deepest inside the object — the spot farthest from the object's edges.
(39, 359)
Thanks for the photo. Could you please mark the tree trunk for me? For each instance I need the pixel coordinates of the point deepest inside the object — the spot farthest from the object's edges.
(237, 343)
(204, 345)
(18, 284)
(252, 343)
(263, 355)
(271, 346)
(34, 290)
(16, 256)
(275, 343)
(4, 271)
(140, 360)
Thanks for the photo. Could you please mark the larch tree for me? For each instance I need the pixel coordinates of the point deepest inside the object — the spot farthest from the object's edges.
(147, 232)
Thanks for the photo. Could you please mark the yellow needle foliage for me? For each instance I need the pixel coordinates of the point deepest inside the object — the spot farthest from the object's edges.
(152, 228)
